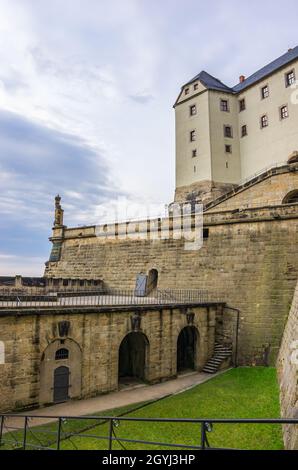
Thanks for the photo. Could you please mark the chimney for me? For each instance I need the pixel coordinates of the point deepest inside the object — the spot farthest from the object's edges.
(290, 50)
(241, 78)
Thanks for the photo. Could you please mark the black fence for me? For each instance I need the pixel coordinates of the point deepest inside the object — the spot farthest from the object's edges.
(106, 297)
(16, 435)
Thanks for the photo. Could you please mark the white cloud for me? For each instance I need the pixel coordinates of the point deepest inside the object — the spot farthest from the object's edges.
(11, 265)
(107, 74)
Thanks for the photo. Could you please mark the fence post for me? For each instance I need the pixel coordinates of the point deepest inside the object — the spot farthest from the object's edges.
(203, 435)
(111, 435)
(25, 433)
(59, 433)
(1, 429)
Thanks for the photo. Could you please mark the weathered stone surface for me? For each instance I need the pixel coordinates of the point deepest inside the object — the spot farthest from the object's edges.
(287, 365)
(204, 191)
(31, 339)
(249, 260)
(268, 189)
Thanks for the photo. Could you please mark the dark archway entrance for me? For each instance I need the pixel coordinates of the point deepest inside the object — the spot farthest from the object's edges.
(61, 384)
(186, 349)
(132, 358)
(291, 197)
(152, 280)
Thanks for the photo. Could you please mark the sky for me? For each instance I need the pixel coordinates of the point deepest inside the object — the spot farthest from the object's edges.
(87, 89)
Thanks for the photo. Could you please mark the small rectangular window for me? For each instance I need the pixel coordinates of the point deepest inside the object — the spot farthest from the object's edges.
(290, 78)
(186, 91)
(196, 86)
(265, 92)
(244, 130)
(224, 105)
(228, 148)
(192, 110)
(228, 131)
(205, 232)
(242, 105)
(192, 136)
(264, 121)
(284, 113)
(194, 153)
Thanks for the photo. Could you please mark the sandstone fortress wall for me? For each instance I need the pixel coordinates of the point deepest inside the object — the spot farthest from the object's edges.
(249, 259)
(32, 337)
(288, 374)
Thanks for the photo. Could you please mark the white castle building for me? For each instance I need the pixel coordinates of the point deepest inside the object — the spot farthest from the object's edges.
(225, 135)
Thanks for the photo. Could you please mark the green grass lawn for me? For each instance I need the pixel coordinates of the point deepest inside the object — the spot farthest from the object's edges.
(238, 393)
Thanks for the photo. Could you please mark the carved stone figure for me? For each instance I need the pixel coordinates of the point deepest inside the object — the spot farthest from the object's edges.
(58, 222)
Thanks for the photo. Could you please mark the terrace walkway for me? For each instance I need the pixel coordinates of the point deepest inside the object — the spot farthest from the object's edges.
(127, 396)
(115, 297)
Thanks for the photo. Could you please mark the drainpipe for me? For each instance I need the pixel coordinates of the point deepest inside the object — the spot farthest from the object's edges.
(237, 331)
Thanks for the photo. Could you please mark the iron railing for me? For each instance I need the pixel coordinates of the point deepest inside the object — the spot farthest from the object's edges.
(202, 426)
(107, 297)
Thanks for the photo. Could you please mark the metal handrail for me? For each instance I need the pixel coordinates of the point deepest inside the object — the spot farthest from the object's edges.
(107, 297)
(206, 426)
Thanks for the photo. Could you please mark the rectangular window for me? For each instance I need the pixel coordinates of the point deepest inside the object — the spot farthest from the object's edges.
(192, 110)
(224, 105)
(192, 136)
(196, 86)
(284, 113)
(264, 121)
(194, 153)
(186, 91)
(205, 232)
(265, 92)
(290, 78)
(228, 131)
(244, 130)
(242, 105)
(228, 148)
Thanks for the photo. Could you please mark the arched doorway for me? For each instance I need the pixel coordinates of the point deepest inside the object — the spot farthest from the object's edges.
(187, 348)
(132, 358)
(60, 366)
(61, 384)
(152, 280)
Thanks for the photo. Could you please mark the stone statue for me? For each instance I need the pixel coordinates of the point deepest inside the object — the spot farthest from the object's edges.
(135, 322)
(58, 222)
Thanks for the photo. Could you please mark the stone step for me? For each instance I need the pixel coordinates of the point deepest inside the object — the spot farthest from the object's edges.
(220, 354)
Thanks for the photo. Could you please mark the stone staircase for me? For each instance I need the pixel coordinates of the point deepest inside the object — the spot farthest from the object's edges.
(221, 353)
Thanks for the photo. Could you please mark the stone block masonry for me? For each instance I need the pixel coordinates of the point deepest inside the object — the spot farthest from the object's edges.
(287, 365)
(92, 337)
(268, 189)
(249, 259)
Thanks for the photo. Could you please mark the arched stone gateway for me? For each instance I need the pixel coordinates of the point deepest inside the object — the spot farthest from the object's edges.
(133, 357)
(187, 348)
(60, 372)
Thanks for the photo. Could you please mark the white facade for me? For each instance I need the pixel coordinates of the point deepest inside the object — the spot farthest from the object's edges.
(205, 153)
